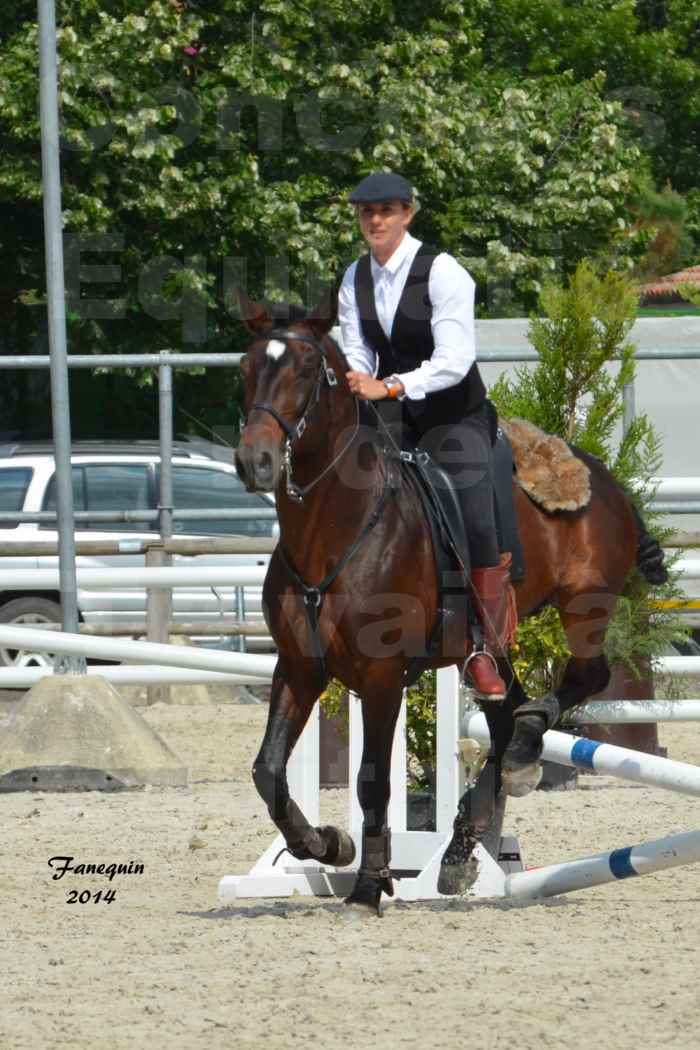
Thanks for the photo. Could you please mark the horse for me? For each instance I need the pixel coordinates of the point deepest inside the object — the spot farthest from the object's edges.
(351, 593)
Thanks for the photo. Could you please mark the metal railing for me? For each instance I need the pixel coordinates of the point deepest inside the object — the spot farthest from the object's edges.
(107, 516)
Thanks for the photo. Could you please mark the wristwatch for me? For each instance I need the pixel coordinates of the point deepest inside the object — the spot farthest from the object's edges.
(392, 385)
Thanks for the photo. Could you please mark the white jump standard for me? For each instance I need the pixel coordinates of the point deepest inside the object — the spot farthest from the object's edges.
(416, 855)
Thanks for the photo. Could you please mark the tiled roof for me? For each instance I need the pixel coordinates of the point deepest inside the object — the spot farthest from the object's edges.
(668, 286)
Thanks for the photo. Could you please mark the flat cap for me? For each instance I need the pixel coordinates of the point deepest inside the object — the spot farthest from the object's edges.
(382, 186)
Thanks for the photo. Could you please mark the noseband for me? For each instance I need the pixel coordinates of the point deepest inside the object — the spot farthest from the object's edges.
(295, 431)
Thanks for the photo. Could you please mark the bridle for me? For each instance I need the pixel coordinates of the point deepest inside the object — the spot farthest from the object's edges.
(325, 374)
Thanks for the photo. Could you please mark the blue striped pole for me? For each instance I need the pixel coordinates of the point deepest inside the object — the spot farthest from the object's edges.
(622, 762)
(605, 867)
(612, 761)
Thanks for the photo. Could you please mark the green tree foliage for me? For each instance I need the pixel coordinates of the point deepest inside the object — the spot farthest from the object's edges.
(205, 144)
(665, 218)
(691, 292)
(648, 50)
(199, 142)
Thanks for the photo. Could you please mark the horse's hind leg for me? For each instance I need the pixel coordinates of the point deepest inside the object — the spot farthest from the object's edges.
(291, 702)
(480, 809)
(585, 618)
(373, 788)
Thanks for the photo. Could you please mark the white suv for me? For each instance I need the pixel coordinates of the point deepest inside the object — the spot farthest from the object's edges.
(124, 476)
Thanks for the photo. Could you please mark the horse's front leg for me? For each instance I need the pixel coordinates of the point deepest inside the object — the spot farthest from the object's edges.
(379, 715)
(480, 810)
(291, 702)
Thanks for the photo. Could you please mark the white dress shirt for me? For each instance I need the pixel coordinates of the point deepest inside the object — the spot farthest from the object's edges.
(451, 291)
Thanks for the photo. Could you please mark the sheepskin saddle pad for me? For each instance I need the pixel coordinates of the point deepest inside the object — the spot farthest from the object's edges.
(546, 468)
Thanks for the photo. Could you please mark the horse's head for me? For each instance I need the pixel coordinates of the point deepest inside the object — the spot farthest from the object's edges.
(284, 372)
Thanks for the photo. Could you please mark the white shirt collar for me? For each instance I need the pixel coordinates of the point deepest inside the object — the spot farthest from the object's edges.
(408, 247)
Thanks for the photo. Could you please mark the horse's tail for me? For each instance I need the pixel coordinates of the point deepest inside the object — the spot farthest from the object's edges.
(650, 556)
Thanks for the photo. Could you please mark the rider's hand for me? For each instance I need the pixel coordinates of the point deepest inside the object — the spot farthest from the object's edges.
(366, 386)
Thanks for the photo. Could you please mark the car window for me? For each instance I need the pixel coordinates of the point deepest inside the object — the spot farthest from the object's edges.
(203, 488)
(117, 486)
(14, 483)
(107, 486)
(50, 496)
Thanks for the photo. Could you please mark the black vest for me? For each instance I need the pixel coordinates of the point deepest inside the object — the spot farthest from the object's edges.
(412, 342)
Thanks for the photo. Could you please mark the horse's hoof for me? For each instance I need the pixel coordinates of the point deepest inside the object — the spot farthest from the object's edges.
(341, 848)
(360, 907)
(524, 750)
(520, 782)
(456, 879)
(353, 911)
(367, 894)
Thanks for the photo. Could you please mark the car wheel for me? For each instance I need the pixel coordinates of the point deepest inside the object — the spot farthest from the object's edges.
(28, 611)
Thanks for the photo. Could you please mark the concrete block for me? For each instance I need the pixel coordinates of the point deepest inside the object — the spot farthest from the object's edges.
(82, 721)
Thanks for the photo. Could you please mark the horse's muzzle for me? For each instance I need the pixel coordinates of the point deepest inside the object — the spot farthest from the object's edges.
(258, 467)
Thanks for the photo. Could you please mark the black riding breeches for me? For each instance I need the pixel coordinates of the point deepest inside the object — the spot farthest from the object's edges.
(463, 450)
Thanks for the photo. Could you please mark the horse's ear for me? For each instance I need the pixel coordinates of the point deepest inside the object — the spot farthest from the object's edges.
(254, 315)
(323, 315)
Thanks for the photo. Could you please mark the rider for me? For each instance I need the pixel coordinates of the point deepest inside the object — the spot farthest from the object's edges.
(406, 312)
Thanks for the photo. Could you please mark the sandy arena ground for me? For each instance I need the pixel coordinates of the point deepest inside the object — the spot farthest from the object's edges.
(164, 966)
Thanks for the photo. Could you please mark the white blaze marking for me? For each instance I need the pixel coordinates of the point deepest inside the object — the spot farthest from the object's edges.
(275, 349)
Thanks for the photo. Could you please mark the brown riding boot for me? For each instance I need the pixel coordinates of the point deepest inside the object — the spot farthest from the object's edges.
(495, 606)
(482, 670)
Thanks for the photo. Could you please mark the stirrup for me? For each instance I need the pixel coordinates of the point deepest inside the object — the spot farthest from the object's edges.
(481, 652)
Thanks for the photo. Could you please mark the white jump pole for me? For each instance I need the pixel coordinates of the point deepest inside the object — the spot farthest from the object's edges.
(612, 712)
(190, 656)
(605, 867)
(689, 568)
(133, 674)
(675, 488)
(681, 665)
(173, 576)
